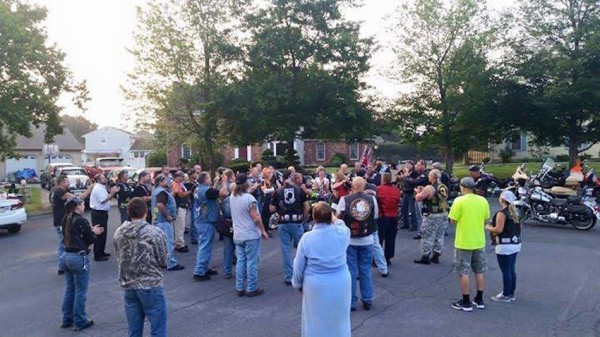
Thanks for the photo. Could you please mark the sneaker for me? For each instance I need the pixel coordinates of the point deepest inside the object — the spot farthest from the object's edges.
(212, 272)
(201, 278)
(459, 305)
(255, 293)
(513, 298)
(367, 305)
(176, 268)
(84, 326)
(386, 274)
(184, 249)
(478, 303)
(501, 298)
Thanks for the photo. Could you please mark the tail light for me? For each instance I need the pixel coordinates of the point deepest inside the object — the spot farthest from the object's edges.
(16, 206)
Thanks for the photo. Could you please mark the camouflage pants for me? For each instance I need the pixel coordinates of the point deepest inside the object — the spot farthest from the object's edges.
(432, 233)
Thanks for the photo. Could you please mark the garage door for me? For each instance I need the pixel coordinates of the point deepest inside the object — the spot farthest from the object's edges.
(26, 161)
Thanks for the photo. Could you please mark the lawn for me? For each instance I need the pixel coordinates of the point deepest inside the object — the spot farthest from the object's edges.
(36, 200)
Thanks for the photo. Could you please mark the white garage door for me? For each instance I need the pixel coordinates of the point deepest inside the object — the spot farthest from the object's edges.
(26, 161)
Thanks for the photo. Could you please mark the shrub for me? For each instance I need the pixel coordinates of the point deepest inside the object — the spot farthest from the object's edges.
(157, 159)
(486, 160)
(296, 158)
(267, 156)
(562, 158)
(506, 155)
(239, 165)
(338, 159)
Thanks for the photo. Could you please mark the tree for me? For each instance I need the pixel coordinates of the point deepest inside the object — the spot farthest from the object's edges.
(302, 76)
(443, 53)
(32, 76)
(79, 126)
(557, 60)
(183, 52)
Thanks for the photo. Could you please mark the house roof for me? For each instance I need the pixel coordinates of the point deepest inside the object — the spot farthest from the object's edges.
(108, 127)
(65, 141)
(141, 144)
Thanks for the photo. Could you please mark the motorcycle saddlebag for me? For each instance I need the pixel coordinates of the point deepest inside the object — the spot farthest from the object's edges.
(578, 209)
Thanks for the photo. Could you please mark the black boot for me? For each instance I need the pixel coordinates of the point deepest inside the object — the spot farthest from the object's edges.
(435, 258)
(424, 260)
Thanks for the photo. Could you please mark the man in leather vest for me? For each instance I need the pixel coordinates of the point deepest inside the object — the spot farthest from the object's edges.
(434, 197)
(164, 212)
(291, 203)
(359, 212)
(124, 195)
(206, 212)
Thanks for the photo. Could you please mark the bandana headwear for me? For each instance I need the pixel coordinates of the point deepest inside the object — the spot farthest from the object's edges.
(74, 199)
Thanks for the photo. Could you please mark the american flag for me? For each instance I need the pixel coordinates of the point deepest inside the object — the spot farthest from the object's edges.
(366, 156)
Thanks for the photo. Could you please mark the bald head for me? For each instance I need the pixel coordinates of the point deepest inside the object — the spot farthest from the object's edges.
(358, 184)
(292, 169)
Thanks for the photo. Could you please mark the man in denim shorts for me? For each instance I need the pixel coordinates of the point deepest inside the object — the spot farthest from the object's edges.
(470, 213)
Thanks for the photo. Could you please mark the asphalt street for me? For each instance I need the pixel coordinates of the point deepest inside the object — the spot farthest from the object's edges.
(558, 293)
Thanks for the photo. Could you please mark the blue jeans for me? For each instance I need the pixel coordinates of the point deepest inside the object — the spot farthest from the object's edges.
(408, 205)
(142, 303)
(61, 245)
(124, 215)
(289, 233)
(248, 253)
(507, 264)
(206, 235)
(77, 275)
(228, 254)
(378, 255)
(359, 262)
(193, 232)
(167, 228)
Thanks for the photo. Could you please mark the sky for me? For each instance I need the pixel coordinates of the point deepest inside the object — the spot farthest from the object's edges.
(94, 34)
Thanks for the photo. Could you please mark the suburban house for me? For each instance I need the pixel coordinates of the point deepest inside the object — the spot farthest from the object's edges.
(522, 149)
(35, 154)
(113, 142)
(312, 152)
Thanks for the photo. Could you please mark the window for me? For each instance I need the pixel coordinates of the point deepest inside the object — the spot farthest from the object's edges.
(354, 151)
(517, 142)
(321, 151)
(186, 152)
(103, 140)
(138, 154)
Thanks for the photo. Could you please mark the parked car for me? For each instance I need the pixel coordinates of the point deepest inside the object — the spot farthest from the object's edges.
(105, 165)
(12, 215)
(49, 172)
(154, 171)
(78, 180)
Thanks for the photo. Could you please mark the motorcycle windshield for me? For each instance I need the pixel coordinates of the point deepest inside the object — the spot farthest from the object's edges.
(548, 164)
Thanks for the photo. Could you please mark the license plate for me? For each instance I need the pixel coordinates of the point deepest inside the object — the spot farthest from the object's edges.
(2, 209)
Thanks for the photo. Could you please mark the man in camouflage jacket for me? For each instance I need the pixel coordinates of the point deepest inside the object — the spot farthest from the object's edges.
(141, 251)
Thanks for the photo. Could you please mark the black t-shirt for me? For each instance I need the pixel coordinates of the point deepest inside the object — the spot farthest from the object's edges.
(190, 187)
(289, 199)
(80, 235)
(481, 185)
(58, 205)
(125, 194)
(141, 191)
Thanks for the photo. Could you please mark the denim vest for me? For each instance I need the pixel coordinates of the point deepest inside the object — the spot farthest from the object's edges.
(157, 216)
(206, 211)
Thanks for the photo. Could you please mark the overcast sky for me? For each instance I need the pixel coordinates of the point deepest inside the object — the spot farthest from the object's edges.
(95, 33)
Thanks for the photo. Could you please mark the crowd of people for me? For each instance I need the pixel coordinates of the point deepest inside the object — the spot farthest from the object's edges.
(341, 226)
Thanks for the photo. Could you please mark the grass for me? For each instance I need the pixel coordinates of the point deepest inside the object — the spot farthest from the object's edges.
(36, 200)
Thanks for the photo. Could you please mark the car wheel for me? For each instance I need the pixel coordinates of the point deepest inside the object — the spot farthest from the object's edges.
(14, 229)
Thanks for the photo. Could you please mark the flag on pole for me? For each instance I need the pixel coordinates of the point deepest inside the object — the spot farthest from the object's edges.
(366, 156)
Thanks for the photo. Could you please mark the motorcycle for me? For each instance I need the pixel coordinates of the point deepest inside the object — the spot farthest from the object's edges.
(578, 211)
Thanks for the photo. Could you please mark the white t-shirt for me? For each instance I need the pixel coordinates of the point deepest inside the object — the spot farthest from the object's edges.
(508, 249)
(365, 240)
(244, 227)
(99, 194)
(319, 185)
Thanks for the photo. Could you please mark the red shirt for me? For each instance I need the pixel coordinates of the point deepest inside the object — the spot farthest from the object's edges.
(342, 191)
(388, 198)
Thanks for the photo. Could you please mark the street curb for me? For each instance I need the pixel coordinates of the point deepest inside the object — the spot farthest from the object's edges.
(38, 214)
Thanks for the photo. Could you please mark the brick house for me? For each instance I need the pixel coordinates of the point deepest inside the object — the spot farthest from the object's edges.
(319, 152)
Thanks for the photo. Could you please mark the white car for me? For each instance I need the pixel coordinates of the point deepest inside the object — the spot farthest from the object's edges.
(12, 215)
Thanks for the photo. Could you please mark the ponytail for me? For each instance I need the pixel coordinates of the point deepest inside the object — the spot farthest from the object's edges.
(513, 212)
(66, 222)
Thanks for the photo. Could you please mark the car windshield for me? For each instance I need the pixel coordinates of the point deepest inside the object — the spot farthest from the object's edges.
(73, 172)
(110, 162)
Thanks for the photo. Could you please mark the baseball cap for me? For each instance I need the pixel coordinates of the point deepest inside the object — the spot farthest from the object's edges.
(508, 196)
(178, 174)
(241, 178)
(467, 182)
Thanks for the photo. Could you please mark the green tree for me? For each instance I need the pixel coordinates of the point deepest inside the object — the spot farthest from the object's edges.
(79, 126)
(302, 79)
(183, 55)
(557, 57)
(32, 76)
(443, 53)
